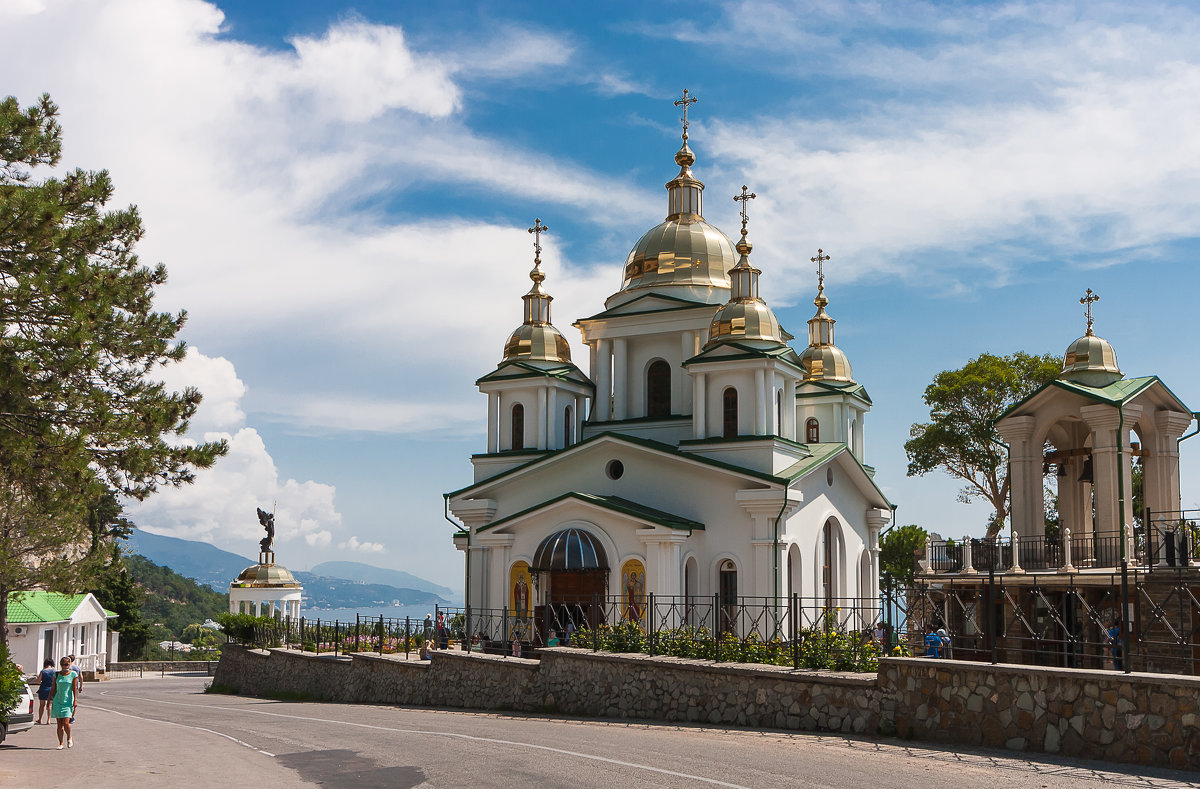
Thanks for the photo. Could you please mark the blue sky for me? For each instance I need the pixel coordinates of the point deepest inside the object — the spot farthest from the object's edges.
(340, 194)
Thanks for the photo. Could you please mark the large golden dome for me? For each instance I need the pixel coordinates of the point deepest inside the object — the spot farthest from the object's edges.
(683, 250)
(273, 575)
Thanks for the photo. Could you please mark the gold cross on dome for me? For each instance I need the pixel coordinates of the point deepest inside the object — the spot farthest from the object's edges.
(820, 261)
(1089, 299)
(537, 230)
(744, 199)
(684, 102)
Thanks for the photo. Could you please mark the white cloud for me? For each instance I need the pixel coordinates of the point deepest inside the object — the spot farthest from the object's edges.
(217, 381)
(353, 544)
(319, 539)
(251, 166)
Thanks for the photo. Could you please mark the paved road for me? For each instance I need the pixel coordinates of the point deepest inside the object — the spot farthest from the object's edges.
(160, 732)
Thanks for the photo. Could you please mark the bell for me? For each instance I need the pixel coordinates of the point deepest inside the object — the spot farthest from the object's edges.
(1086, 474)
(1062, 469)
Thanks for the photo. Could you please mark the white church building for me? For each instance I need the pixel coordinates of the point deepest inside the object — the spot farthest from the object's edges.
(701, 455)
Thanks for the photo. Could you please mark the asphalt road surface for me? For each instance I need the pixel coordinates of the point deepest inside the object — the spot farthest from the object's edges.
(166, 732)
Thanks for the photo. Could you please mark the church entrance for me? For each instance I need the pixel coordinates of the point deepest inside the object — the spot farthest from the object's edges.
(572, 570)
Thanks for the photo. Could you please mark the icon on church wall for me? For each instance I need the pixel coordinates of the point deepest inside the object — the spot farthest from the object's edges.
(521, 587)
(633, 589)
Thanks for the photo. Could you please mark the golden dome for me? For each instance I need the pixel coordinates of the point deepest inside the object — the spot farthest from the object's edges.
(822, 360)
(537, 342)
(1091, 361)
(745, 316)
(825, 363)
(259, 575)
(536, 339)
(683, 250)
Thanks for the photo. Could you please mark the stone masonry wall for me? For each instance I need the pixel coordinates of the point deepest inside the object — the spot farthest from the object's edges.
(1141, 718)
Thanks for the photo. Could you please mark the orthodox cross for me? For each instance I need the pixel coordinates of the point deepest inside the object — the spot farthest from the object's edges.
(537, 230)
(684, 102)
(744, 199)
(1088, 300)
(820, 261)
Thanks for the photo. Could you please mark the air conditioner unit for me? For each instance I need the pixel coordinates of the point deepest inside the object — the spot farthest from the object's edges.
(20, 630)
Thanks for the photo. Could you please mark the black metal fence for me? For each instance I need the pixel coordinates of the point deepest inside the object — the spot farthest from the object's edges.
(828, 633)
(1148, 621)
(833, 633)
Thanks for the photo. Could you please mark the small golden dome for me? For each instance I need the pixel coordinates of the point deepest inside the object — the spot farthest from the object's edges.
(825, 363)
(537, 342)
(259, 575)
(1091, 361)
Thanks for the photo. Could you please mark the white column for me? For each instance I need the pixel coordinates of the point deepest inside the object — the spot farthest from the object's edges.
(493, 436)
(687, 347)
(541, 419)
(1104, 421)
(620, 379)
(553, 424)
(789, 409)
(698, 406)
(603, 377)
(761, 408)
(1162, 466)
(1016, 432)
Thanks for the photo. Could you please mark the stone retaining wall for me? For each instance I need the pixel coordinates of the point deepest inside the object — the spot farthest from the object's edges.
(1141, 718)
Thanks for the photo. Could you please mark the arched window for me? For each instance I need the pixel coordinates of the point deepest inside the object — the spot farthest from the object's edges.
(812, 431)
(658, 389)
(729, 413)
(518, 427)
(728, 589)
(568, 425)
(828, 567)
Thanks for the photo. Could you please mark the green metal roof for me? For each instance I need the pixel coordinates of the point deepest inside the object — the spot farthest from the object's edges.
(615, 504)
(833, 387)
(619, 311)
(1116, 393)
(38, 606)
(520, 369)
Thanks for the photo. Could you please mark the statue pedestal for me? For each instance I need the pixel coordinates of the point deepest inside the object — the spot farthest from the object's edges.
(266, 557)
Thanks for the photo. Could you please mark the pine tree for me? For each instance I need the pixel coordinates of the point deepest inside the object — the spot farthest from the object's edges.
(81, 412)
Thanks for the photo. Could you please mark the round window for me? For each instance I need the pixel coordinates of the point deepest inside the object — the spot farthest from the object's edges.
(615, 469)
(829, 475)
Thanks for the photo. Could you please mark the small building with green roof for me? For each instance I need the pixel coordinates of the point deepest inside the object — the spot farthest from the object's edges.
(50, 625)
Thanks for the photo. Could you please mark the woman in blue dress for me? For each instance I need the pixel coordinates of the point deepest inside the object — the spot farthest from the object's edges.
(45, 690)
(62, 705)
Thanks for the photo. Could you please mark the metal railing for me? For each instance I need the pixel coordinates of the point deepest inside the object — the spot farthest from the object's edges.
(836, 633)
(819, 633)
(1149, 623)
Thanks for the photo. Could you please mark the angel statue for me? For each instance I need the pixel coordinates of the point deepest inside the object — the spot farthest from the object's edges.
(267, 519)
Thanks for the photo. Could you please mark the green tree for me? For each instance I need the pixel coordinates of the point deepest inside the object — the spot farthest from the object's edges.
(959, 438)
(897, 555)
(81, 411)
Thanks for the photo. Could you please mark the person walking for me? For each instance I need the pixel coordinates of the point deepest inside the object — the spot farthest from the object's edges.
(62, 707)
(45, 690)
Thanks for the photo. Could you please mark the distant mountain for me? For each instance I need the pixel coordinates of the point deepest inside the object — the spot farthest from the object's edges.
(323, 592)
(191, 559)
(329, 585)
(366, 573)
